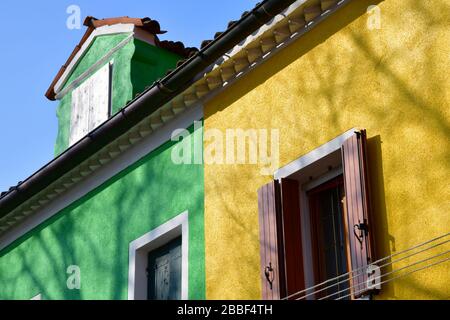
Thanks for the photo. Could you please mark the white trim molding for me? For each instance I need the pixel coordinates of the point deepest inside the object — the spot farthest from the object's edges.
(139, 249)
(105, 30)
(37, 297)
(314, 155)
(61, 92)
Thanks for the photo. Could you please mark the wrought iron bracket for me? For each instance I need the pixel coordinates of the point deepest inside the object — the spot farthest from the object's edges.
(268, 272)
(363, 232)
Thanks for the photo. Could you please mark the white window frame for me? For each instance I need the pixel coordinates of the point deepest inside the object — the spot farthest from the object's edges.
(314, 156)
(138, 255)
(37, 297)
(299, 165)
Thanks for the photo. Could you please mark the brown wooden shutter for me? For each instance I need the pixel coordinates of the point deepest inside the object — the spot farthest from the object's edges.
(290, 206)
(360, 248)
(280, 239)
(271, 244)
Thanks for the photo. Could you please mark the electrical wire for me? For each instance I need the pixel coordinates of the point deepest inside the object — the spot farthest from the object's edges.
(364, 270)
(399, 276)
(373, 263)
(384, 275)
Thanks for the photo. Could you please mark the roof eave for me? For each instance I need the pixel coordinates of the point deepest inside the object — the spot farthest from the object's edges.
(144, 105)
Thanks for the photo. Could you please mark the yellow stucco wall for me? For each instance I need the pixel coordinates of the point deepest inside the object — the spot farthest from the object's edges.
(395, 83)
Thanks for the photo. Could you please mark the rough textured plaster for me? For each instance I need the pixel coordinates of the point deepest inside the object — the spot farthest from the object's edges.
(393, 82)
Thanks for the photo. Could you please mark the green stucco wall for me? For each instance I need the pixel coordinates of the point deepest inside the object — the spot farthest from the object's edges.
(149, 63)
(136, 66)
(94, 233)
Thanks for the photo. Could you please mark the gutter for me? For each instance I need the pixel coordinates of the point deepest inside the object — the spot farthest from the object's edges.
(144, 105)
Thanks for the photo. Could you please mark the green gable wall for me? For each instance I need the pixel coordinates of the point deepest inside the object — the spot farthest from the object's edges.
(149, 63)
(136, 66)
(122, 88)
(94, 233)
(63, 114)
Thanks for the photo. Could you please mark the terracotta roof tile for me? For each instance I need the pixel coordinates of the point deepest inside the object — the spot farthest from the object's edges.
(145, 23)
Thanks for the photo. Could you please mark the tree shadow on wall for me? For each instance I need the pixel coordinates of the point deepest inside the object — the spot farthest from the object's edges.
(95, 231)
(413, 87)
(334, 93)
(312, 39)
(384, 242)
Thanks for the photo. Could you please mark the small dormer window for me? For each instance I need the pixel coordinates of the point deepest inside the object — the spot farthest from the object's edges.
(91, 102)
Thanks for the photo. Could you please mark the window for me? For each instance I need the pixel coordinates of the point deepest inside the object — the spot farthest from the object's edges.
(90, 104)
(164, 272)
(314, 222)
(328, 233)
(158, 262)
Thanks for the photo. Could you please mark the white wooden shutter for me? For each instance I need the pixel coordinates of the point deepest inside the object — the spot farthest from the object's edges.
(80, 113)
(75, 117)
(90, 104)
(99, 97)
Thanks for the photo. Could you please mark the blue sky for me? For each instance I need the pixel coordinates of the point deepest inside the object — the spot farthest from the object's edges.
(35, 43)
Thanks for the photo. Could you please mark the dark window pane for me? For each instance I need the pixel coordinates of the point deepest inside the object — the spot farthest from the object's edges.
(326, 211)
(164, 272)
